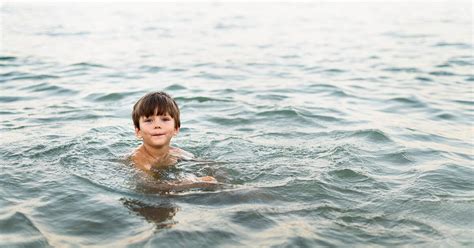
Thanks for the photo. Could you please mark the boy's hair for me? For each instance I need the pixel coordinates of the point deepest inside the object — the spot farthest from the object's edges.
(158, 103)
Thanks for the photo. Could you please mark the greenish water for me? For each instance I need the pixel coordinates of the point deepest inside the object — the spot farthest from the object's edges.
(330, 124)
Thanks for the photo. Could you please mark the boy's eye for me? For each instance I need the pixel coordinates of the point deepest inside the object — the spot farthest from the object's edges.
(165, 119)
(148, 120)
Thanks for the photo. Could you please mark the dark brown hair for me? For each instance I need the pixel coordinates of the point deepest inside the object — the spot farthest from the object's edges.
(158, 103)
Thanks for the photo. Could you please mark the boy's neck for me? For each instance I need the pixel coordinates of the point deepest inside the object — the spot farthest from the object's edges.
(157, 154)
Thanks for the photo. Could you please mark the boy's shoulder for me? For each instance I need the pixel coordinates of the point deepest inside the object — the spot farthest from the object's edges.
(181, 154)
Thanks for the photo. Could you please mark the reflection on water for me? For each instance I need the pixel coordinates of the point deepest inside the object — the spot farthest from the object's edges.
(161, 215)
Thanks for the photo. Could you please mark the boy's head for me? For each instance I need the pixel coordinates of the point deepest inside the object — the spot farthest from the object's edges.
(155, 103)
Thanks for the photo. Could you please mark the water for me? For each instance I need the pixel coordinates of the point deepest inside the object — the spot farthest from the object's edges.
(330, 124)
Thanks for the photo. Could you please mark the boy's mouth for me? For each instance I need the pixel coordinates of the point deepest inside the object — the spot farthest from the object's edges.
(157, 135)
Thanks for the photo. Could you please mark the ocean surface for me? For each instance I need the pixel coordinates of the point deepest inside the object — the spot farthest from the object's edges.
(329, 125)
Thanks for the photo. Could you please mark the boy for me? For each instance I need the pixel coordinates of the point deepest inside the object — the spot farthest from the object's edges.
(156, 120)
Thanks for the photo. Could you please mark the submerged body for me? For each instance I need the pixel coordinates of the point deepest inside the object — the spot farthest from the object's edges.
(144, 161)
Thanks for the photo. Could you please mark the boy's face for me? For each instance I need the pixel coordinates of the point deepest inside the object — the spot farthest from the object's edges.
(156, 130)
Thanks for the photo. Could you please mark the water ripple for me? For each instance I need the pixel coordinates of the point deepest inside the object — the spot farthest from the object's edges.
(253, 219)
(19, 230)
(200, 99)
(50, 89)
(7, 58)
(17, 76)
(456, 45)
(109, 97)
(11, 98)
(324, 131)
(84, 65)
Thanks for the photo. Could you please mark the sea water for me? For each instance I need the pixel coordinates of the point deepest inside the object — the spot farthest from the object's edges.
(342, 124)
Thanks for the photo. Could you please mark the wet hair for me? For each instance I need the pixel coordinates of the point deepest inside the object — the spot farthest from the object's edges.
(158, 103)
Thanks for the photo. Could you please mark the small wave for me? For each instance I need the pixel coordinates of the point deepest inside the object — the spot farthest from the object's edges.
(279, 113)
(284, 135)
(225, 26)
(16, 75)
(407, 36)
(272, 97)
(107, 97)
(443, 66)
(291, 56)
(295, 113)
(349, 174)
(174, 87)
(207, 75)
(253, 219)
(291, 114)
(445, 116)
(7, 58)
(453, 44)
(102, 184)
(41, 150)
(402, 69)
(425, 79)
(396, 157)
(326, 88)
(177, 70)
(231, 121)
(46, 87)
(374, 135)
(200, 99)
(32, 77)
(68, 115)
(209, 237)
(420, 135)
(388, 225)
(5, 112)
(470, 78)
(332, 188)
(442, 73)
(460, 62)
(312, 69)
(318, 70)
(449, 179)
(6, 99)
(325, 118)
(152, 69)
(13, 74)
(340, 93)
(411, 101)
(86, 65)
(53, 34)
(204, 65)
(464, 102)
(153, 28)
(405, 100)
(20, 225)
(334, 71)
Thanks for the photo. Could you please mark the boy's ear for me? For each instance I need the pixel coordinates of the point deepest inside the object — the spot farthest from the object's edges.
(137, 133)
(176, 131)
